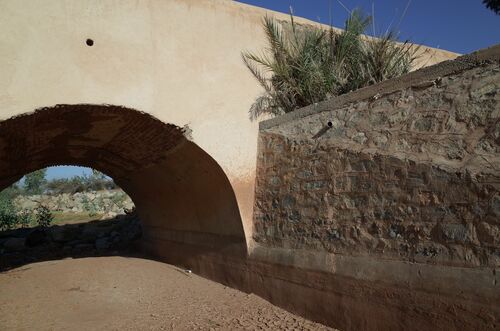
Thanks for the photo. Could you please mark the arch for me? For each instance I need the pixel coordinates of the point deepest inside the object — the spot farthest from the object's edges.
(182, 195)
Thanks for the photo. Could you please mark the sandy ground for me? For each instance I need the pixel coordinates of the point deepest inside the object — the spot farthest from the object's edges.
(119, 293)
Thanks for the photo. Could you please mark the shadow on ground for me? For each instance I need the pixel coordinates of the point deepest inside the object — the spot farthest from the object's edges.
(116, 236)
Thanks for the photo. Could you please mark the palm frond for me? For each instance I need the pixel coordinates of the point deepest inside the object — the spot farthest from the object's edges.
(303, 64)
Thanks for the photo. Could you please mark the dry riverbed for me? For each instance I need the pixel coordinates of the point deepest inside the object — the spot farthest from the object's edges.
(120, 293)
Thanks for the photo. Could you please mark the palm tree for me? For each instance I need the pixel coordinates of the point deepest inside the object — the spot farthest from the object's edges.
(383, 58)
(303, 65)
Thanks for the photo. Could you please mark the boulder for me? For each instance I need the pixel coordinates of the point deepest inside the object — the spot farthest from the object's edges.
(36, 237)
(84, 246)
(15, 244)
(102, 243)
(64, 233)
(89, 234)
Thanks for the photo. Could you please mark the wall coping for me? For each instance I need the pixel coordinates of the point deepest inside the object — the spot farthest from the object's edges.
(420, 78)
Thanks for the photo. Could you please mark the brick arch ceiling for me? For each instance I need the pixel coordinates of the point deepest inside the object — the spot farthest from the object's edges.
(181, 193)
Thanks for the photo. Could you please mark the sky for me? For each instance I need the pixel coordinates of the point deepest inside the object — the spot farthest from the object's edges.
(66, 171)
(460, 26)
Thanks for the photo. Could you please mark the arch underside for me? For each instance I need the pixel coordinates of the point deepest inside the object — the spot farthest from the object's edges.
(181, 194)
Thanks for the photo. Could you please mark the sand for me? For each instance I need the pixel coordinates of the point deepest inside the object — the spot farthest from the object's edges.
(120, 293)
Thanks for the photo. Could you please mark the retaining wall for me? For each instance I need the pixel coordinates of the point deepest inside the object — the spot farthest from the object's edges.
(389, 197)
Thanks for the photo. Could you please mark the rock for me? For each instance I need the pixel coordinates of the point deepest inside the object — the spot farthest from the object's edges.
(36, 237)
(360, 138)
(64, 234)
(109, 215)
(15, 244)
(76, 242)
(455, 232)
(67, 249)
(84, 246)
(102, 243)
(90, 233)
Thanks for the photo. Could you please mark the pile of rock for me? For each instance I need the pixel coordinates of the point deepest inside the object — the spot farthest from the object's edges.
(57, 241)
(99, 202)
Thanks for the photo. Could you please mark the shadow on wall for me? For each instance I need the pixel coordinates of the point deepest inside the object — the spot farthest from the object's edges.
(181, 193)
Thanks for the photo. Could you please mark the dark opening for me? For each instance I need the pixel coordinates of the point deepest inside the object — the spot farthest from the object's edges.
(90, 42)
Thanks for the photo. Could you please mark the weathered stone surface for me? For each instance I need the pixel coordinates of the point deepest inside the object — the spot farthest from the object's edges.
(109, 202)
(413, 175)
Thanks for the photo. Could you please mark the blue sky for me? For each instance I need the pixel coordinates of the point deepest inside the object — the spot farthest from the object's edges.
(67, 171)
(457, 25)
(460, 26)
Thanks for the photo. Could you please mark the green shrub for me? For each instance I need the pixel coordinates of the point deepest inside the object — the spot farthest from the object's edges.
(84, 183)
(44, 216)
(89, 206)
(25, 218)
(8, 212)
(118, 199)
(7, 220)
(34, 183)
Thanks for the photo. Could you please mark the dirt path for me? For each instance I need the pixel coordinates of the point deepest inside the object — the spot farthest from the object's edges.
(118, 293)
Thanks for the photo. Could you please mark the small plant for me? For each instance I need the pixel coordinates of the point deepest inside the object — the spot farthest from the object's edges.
(118, 199)
(8, 217)
(44, 216)
(7, 220)
(24, 218)
(89, 206)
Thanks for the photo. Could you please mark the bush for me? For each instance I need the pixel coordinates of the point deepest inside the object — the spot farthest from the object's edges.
(89, 206)
(95, 182)
(7, 220)
(34, 183)
(8, 212)
(44, 216)
(24, 218)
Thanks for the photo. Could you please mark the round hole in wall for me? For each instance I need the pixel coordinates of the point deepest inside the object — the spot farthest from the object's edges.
(89, 42)
(330, 124)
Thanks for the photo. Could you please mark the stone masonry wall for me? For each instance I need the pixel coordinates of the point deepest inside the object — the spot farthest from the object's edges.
(411, 175)
(111, 202)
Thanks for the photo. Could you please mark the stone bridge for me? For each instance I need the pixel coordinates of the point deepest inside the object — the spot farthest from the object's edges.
(378, 210)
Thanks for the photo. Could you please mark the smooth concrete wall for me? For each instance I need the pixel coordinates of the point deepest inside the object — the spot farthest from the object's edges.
(190, 167)
(178, 60)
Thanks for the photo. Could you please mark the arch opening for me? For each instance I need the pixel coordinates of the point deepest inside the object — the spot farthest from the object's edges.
(60, 212)
(183, 198)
